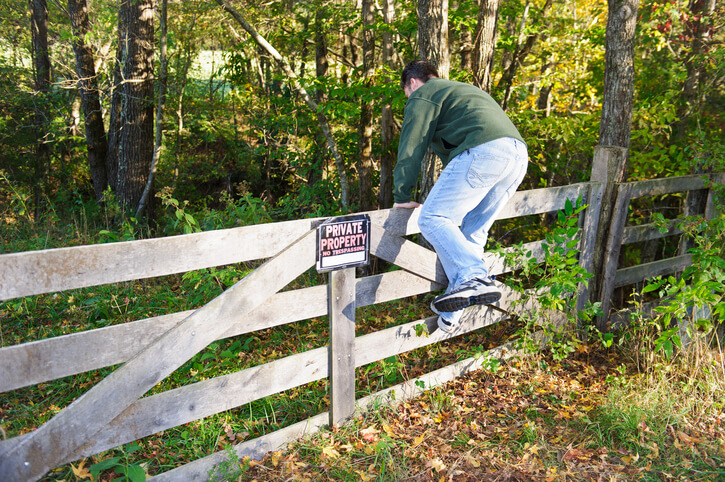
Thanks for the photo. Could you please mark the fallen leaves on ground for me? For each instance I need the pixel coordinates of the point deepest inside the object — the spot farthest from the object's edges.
(524, 422)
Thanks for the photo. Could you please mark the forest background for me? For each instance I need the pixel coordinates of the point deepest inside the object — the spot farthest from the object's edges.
(301, 117)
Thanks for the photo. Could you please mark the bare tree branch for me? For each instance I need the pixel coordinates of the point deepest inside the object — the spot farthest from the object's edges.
(321, 118)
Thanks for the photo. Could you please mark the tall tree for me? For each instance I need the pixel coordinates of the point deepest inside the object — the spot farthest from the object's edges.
(432, 45)
(319, 165)
(462, 36)
(484, 44)
(163, 80)
(41, 64)
(365, 152)
(699, 28)
(616, 121)
(131, 131)
(616, 124)
(387, 122)
(96, 141)
(433, 34)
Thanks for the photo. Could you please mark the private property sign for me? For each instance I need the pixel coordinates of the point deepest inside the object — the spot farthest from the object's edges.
(343, 242)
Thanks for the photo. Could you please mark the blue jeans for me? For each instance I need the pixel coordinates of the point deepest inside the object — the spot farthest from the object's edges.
(470, 192)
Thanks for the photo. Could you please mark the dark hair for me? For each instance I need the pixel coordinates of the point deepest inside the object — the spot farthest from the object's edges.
(417, 69)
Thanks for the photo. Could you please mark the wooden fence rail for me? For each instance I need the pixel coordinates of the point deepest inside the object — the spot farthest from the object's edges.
(113, 413)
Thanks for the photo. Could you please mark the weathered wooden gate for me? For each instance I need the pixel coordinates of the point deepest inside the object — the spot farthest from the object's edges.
(114, 413)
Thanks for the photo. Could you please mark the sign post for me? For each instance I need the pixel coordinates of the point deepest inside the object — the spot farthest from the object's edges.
(342, 244)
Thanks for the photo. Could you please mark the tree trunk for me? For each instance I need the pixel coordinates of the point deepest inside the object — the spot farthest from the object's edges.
(72, 129)
(90, 99)
(131, 134)
(387, 123)
(484, 44)
(183, 77)
(321, 118)
(319, 165)
(616, 124)
(41, 64)
(433, 34)
(615, 128)
(433, 46)
(543, 103)
(463, 37)
(163, 80)
(365, 151)
(698, 27)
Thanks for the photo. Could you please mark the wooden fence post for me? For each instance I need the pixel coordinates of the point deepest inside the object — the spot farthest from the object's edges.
(611, 251)
(341, 309)
(608, 168)
(589, 239)
(711, 210)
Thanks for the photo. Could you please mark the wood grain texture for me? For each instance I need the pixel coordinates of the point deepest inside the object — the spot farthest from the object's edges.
(67, 432)
(341, 314)
(667, 185)
(51, 270)
(642, 272)
(35, 362)
(612, 249)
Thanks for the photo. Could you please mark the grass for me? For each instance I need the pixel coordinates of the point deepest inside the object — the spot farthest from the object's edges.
(596, 414)
(44, 316)
(590, 417)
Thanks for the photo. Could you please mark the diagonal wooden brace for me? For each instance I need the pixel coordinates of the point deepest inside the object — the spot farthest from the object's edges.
(406, 254)
(74, 426)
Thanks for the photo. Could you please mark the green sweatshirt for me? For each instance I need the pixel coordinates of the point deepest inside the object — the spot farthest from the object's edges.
(450, 117)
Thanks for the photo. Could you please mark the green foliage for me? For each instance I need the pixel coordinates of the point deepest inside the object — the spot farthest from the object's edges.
(551, 287)
(17, 198)
(180, 220)
(230, 468)
(691, 306)
(129, 472)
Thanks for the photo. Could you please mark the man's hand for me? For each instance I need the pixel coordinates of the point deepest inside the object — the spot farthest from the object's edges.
(408, 205)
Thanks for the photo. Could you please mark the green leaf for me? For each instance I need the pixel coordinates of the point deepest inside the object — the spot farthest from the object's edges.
(651, 287)
(106, 464)
(134, 473)
(668, 347)
(206, 356)
(132, 447)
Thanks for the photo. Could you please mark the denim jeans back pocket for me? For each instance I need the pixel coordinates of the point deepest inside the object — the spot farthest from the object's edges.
(485, 170)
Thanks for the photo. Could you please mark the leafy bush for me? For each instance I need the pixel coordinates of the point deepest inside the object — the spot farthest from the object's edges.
(691, 308)
(551, 287)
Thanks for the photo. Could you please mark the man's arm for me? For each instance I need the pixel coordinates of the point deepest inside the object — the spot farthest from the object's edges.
(418, 127)
(408, 205)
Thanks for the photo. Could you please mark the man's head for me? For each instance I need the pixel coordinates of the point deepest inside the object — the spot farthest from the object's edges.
(415, 74)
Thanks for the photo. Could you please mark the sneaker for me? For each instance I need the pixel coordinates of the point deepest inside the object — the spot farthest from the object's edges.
(478, 291)
(447, 326)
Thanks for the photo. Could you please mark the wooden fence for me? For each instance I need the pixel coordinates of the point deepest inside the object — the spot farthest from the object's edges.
(113, 413)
